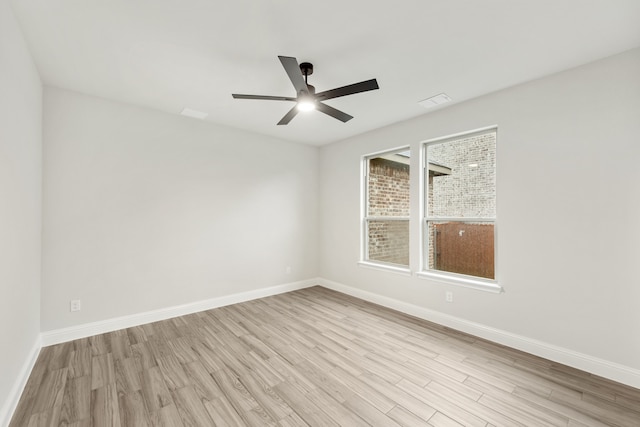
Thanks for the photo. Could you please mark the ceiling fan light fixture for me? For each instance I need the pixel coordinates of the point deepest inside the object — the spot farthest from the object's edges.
(306, 105)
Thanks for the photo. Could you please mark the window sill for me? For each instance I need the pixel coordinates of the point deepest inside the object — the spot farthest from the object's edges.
(385, 267)
(478, 284)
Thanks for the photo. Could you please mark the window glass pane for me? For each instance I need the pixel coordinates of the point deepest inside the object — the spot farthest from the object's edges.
(388, 241)
(462, 247)
(462, 177)
(388, 185)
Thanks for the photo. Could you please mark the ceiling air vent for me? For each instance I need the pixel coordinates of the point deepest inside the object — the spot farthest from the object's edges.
(194, 113)
(435, 100)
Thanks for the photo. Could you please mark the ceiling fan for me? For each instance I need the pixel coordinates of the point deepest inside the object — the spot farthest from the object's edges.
(306, 97)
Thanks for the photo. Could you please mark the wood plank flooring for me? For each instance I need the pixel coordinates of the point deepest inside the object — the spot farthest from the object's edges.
(312, 357)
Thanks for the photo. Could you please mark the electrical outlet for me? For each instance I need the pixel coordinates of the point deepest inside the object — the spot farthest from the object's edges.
(75, 305)
(448, 296)
(287, 270)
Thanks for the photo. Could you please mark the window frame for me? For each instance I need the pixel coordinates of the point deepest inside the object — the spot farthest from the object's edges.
(451, 278)
(364, 260)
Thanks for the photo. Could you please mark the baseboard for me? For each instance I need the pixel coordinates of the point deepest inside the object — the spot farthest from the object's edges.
(86, 330)
(596, 366)
(9, 407)
(613, 371)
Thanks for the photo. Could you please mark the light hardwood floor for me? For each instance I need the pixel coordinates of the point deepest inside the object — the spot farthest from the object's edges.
(311, 357)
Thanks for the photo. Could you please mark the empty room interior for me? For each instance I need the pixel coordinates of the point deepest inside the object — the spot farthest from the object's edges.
(450, 236)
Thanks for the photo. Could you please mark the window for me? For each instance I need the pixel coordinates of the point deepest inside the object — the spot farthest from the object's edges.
(385, 219)
(460, 207)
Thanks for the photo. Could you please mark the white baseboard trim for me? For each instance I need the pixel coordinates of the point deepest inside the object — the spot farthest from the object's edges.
(88, 329)
(613, 371)
(9, 407)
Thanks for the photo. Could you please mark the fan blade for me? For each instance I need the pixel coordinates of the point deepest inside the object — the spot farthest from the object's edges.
(290, 115)
(295, 75)
(337, 114)
(348, 90)
(265, 97)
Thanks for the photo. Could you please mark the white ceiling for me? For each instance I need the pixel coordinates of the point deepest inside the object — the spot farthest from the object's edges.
(172, 54)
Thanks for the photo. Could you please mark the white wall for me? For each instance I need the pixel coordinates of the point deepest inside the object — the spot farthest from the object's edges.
(20, 206)
(568, 215)
(145, 210)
